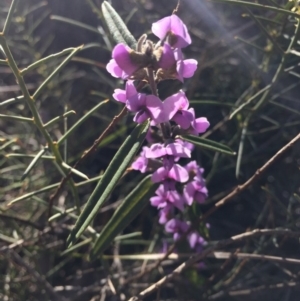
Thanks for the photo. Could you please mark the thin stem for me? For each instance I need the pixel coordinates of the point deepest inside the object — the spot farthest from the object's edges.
(31, 104)
(9, 16)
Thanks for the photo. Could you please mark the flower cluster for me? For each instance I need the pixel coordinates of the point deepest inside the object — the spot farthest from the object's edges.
(180, 186)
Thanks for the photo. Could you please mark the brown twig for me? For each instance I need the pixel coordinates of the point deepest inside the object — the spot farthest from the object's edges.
(84, 155)
(227, 255)
(175, 11)
(249, 291)
(192, 260)
(38, 277)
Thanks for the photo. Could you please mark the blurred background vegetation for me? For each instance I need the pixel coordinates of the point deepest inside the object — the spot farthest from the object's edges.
(239, 50)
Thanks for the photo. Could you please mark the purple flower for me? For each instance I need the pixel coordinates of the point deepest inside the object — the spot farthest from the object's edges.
(175, 149)
(141, 162)
(198, 125)
(123, 57)
(176, 30)
(186, 144)
(165, 56)
(146, 106)
(170, 153)
(184, 68)
(165, 213)
(165, 197)
(113, 68)
(195, 171)
(122, 95)
(195, 191)
(196, 241)
(176, 109)
(176, 173)
(177, 227)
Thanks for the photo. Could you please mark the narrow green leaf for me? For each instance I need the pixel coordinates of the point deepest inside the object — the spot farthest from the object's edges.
(74, 22)
(8, 20)
(80, 121)
(16, 118)
(126, 212)
(32, 163)
(113, 173)
(116, 26)
(45, 60)
(208, 144)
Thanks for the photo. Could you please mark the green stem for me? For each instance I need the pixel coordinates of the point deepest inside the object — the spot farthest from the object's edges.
(9, 16)
(16, 118)
(31, 104)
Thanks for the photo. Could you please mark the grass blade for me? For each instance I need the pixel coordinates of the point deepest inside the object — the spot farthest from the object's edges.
(208, 144)
(126, 212)
(109, 179)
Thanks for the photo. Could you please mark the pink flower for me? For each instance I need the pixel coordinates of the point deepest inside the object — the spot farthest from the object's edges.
(184, 68)
(176, 109)
(165, 197)
(165, 56)
(123, 58)
(195, 191)
(146, 106)
(199, 125)
(141, 162)
(176, 30)
(177, 227)
(122, 95)
(196, 241)
(176, 173)
(113, 68)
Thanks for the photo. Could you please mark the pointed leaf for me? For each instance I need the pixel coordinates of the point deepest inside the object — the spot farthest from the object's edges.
(113, 173)
(116, 26)
(126, 212)
(208, 144)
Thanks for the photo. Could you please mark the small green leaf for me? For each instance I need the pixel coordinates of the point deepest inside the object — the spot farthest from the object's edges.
(126, 212)
(33, 162)
(208, 144)
(116, 26)
(113, 173)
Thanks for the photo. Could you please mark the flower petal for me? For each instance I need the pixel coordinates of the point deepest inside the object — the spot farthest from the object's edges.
(189, 68)
(178, 173)
(113, 68)
(120, 95)
(121, 54)
(200, 124)
(155, 107)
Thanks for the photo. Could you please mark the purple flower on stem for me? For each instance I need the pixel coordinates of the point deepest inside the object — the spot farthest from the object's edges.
(196, 241)
(198, 125)
(166, 197)
(165, 213)
(176, 109)
(175, 149)
(186, 144)
(177, 227)
(195, 191)
(195, 171)
(176, 30)
(170, 153)
(141, 162)
(122, 55)
(113, 68)
(176, 173)
(122, 95)
(146, 106)
(165, 56)
(184, 68)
